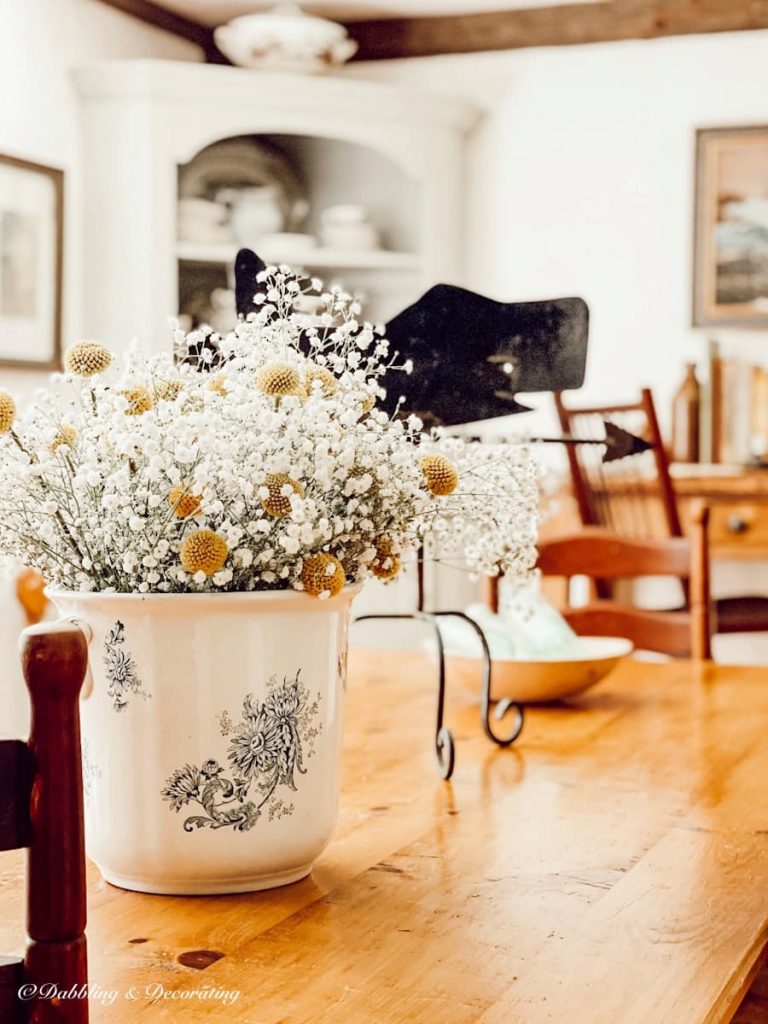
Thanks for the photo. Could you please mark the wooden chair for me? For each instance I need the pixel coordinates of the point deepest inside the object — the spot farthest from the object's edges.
(41, 808)
(599, 553)
(616, 495)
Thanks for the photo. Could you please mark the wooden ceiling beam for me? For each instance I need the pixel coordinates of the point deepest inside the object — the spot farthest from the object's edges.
(567, 24)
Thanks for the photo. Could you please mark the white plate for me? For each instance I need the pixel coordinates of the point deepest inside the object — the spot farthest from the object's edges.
(542, 680)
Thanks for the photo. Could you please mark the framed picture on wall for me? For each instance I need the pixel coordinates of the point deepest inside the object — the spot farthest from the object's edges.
(731, 236)
(31, 244)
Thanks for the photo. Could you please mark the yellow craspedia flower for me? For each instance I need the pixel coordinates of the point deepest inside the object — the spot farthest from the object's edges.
(276, 503)
(139, 401)
(204, 551)
(193, 403)
(218, 384)
(86, 358)
(7, 412)
(323, 573)
(183, 503)
(328, 383)
(65, 436)
(278, 380)
(367, 405)
(385, 565)
(168, 389)
(440, 475)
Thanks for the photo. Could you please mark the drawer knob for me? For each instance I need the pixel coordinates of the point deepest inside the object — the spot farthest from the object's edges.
(737, 524)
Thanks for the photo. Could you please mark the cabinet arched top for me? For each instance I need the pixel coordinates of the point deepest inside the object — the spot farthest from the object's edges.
(409, 159)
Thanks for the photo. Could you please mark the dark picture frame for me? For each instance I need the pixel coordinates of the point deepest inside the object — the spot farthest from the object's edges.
(31, 263)
(730, 275)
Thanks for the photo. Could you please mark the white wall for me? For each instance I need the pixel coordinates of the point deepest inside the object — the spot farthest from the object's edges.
(582, 183)
(40, 42)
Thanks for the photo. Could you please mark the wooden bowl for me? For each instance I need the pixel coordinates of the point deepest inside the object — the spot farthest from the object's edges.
(540, 681)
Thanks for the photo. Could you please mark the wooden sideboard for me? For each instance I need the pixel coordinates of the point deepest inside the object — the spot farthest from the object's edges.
(738, 525)
(738, 499)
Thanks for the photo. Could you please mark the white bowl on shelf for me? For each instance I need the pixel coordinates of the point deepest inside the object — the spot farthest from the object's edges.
(345, 213)
(356, 237)
(542, 680)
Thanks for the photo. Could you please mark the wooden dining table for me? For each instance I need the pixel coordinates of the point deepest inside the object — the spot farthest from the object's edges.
(609, 868)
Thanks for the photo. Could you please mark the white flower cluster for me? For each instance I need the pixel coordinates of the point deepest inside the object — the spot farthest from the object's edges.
(493, 525)
(260, 463)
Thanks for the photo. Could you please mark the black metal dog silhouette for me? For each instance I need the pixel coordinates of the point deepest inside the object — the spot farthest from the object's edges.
(472, 355)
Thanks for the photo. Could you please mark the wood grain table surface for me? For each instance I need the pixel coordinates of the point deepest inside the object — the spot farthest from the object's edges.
(611, 868)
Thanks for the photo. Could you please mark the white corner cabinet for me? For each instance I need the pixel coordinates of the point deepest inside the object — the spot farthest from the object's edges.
(398, 152)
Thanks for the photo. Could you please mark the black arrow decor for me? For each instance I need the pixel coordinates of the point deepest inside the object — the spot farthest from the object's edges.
(619, 443)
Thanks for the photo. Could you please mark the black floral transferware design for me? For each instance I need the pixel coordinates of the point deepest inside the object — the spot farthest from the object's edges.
(267, 748)
(91, 771)
(122, 674)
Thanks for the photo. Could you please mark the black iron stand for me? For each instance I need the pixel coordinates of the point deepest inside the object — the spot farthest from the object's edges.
(444, 743)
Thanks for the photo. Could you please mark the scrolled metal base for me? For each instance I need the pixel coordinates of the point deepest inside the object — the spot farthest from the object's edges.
(445, 748)
(503, 706)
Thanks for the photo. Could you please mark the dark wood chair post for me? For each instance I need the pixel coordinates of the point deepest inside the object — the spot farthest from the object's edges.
(702, 606)
(54, 660)
(581, 489)
(493, 592)
(669, 499)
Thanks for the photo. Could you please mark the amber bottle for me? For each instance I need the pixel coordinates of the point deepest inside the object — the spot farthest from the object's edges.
(685, 418)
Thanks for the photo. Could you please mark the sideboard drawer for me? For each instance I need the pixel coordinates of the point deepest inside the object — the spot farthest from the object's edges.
(739, 529)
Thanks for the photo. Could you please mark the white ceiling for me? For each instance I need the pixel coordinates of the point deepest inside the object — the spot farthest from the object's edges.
(216, 12)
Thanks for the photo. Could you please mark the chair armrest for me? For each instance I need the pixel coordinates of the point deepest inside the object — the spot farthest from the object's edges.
(11, 977)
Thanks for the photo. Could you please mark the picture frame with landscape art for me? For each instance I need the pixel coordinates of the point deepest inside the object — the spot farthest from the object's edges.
(31, 247)
(731, 227)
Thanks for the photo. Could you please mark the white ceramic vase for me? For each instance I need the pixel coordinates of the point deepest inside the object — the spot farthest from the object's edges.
(212, 729)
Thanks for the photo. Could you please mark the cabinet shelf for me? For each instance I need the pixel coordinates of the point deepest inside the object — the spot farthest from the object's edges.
(370, 259)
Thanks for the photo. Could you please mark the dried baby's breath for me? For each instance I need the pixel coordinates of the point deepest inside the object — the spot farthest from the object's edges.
(246, 462)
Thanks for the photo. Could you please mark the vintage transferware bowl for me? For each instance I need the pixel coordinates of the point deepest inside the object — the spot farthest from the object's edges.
(285, 39)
